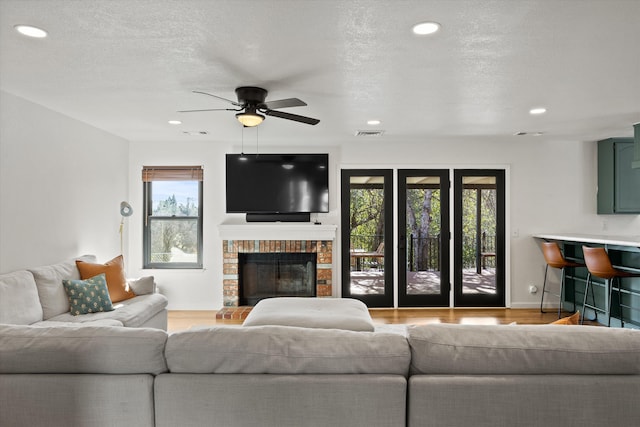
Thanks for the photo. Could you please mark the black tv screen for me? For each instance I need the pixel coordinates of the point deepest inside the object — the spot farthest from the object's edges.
(277, 183)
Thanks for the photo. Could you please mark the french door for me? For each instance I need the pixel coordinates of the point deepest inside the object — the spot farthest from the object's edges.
(479, 238)
(423, 238)
(367, 236)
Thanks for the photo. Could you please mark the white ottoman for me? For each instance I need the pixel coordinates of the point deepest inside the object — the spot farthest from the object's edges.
(322, 313)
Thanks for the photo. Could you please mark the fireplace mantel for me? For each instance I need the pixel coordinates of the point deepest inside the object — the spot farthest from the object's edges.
(277, 231)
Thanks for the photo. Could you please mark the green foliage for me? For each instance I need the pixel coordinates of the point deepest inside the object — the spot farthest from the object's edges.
(423, 221)
(430, 223)
(470, 231)
(366, 218)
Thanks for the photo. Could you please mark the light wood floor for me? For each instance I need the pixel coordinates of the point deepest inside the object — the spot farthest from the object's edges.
(184, 319)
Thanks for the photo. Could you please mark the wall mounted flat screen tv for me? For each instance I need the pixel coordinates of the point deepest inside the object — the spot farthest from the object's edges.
(277, 183)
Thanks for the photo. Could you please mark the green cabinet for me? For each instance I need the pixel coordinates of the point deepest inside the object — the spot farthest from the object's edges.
(618, 182)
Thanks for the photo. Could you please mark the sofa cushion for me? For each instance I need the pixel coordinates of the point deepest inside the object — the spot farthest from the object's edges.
(523, 349)
(88, 296)
(19, 302)
(49, 278)
(81, 349)
(326, 313)
(142, 285)
(286, 350)
(101, 322)
(132, 313)
(114, 271)
(76, 400)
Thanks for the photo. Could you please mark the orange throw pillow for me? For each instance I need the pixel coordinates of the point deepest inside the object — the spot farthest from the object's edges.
(114, 272)
(574, 319)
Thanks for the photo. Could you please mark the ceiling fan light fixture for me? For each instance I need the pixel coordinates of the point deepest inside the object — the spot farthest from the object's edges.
(250, 119)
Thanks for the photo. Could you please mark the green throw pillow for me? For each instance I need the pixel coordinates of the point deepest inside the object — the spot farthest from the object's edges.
(88, 296)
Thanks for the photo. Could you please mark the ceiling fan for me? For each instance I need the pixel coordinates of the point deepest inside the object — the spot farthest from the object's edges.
(251, 102)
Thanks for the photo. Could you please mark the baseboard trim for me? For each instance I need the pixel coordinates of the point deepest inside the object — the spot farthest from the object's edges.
(533, 305)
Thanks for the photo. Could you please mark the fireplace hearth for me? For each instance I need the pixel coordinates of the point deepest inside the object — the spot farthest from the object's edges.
(276, 274)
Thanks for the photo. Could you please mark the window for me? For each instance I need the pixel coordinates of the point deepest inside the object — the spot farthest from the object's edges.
(172, 216)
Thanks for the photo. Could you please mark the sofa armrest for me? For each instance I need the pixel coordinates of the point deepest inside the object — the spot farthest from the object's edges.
(142, 285)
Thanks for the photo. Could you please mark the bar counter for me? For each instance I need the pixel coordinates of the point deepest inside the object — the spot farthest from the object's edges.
(624, 252)
(604, 240)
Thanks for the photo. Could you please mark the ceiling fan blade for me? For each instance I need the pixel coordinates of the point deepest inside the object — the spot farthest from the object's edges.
(284, 103)
(294, 117)
(210, 109)
(219, 97)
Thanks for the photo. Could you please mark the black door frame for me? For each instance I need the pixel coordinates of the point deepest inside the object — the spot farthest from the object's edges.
(424, 300)
(480, 300)
(371, 300)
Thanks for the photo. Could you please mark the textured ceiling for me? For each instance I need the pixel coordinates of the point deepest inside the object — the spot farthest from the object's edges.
(127, 66)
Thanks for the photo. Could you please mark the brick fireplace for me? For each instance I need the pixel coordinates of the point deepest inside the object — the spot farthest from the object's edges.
(231, 248)
(242, 237)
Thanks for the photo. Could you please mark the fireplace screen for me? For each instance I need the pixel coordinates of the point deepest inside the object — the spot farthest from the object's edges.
(280, 274)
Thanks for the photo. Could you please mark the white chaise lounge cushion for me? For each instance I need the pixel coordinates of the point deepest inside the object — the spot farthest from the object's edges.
(325, 313)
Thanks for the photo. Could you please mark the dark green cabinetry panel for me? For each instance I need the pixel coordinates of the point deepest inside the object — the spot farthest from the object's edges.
(618, 182)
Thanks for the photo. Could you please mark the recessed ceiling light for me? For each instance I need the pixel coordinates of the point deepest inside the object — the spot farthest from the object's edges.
(373, 122)
(31, 31)
(175, 122)
(425, 28)
(539, 110)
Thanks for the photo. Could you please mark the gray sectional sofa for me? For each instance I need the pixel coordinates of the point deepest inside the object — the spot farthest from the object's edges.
(435, 375)
(37, 297)
(122, 368)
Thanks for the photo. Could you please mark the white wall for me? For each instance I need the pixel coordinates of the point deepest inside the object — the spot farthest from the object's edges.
(61, 184)
(552, 188)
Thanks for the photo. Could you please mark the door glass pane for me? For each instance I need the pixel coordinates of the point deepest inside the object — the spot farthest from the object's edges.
(479, 197)
(423, 233)
(366, 225)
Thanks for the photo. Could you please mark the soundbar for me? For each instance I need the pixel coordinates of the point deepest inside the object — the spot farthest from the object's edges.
(279, 217)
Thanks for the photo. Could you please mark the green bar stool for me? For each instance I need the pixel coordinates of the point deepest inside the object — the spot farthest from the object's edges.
(599, 265)
(554, 258)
